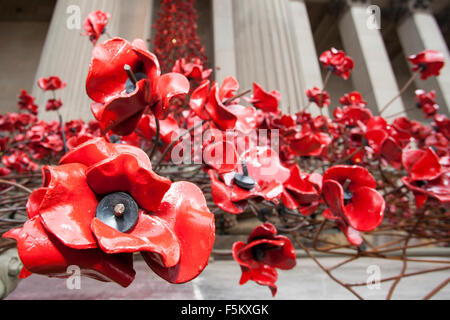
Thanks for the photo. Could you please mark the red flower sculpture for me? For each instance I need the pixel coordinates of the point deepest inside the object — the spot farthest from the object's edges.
(336, 61)
(353, 201)
(95, 25)
(102, 203)
(257, 174)
(428, 62)
(192, 70)
(208, 104)
(353, 99)
(26, 102)
(124, 79)
(319, 97)
(19, 162)
(53, 104)
(302, 191)
(264, 252)
(51, 83)
(426, 177)
(264, 100)
(426, 101)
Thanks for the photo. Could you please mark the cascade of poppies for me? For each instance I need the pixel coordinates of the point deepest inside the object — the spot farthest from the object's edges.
(176, 33)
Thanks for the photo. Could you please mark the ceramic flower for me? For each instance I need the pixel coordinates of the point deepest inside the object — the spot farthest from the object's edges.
(426, 176)
(319, 97)
(264, 252)
(124, 80)
(102, 203)
(426, 101)
(51, 83)
(258, 173)
(353, 202)
(26, 102)
(264, 100)
(353, 99)
(302, 191)
(428, 62)
(336, 61)
(193, 70)
(95, 25)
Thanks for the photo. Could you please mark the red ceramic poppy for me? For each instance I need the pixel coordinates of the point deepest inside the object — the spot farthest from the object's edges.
(427, 102)
(428, 62)
(192, 70)
(53, 104)
(349, 192)
(302, 191)
(119, 102)
(380, 138)
(208, 104)
(338, 62)
(51, 83)
(103, 199)
(95, 25)
(258, 174)
(421, 164)
(264, 252)
(353, 99)
(26, 102)
(442, 124)
(319, 97)
(350, 115)
(264, 100)
(437, 188)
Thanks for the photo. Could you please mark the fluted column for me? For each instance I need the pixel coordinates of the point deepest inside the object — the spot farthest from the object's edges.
(67, 54)
(224, 51)
(269, 49)
(373, 75)
(419, 31)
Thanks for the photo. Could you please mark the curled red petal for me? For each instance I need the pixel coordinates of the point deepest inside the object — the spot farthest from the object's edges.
(68, 205)
(123, 173)
(366, 209)
(42, 253)
(34, 201)
(198, 99)
(228, 87)
(333, 194)
(171, 85)
(185, 211)
(151, 234)
(221, 155)
(221, 195)
(358, 176)
(223, 118)
(265, 276)
(266, 230)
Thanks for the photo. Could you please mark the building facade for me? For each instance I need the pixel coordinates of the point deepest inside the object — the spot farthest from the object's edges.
(276, 43)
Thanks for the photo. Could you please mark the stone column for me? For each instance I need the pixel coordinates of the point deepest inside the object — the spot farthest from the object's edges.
(67, 54)
(419, 31)
(373, 75)
(310, 75)
(269, 49)
(224, 51)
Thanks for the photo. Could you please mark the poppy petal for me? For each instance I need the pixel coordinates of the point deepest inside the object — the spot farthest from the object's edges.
(185, 211)
(123, 173)
(50, 257)
(150, 234)
(69, 205)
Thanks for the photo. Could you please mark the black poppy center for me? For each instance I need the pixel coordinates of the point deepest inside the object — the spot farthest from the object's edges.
(423, 66)
(348, 195)
(243, 179)
(118, 210)
(133, 78)
(258, 252)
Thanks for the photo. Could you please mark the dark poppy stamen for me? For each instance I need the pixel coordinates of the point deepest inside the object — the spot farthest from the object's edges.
(348, 195)
(244, 180)
(133, 78)
(118, 210)
(258, 253)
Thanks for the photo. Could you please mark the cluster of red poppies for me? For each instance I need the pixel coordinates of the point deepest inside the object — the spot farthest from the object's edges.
(176, 34)
(115, 204)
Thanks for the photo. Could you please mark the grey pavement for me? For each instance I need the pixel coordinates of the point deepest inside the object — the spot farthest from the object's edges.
(220, 280)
